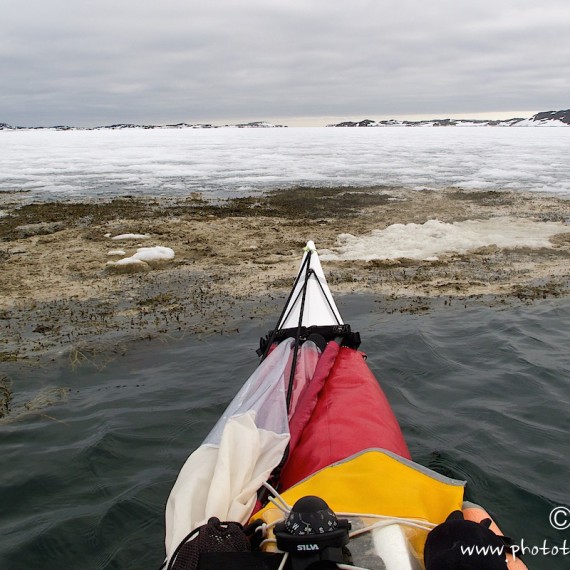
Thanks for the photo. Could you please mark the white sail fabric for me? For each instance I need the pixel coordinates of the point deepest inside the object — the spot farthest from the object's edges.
(222, 476)
(307, 360)
(320, 308)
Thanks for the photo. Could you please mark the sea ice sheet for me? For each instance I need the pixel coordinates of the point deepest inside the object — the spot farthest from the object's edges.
(231, 162)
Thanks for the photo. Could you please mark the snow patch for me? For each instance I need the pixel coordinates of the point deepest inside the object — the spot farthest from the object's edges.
(541, 123)
(117, 252)
(433, 238)
(127, 261)
(131, 236)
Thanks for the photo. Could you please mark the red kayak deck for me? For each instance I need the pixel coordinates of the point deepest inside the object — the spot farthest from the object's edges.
(342, 412)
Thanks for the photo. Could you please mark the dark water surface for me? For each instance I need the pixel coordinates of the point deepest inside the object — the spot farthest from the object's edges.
(481, 394)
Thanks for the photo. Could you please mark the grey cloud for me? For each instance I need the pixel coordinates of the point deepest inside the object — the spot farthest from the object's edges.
(144, 61)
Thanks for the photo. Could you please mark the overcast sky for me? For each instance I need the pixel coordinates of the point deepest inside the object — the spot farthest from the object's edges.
(93, 62)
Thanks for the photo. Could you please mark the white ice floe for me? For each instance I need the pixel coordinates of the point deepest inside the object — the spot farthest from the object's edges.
(145, 256)
(131, 236)
(433, 238)
(156, 253)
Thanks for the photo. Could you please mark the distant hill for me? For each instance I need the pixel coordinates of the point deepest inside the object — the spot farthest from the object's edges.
(120, 126)
(543, 119)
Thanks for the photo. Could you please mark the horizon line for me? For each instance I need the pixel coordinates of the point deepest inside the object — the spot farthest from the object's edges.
(300, 121)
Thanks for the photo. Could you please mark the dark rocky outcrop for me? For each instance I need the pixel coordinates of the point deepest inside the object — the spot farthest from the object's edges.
(562, 116)
(364, 123)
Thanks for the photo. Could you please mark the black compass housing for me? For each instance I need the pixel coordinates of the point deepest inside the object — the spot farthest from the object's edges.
(312, 535)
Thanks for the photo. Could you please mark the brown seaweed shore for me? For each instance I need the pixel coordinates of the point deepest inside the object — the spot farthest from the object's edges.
(58, 296)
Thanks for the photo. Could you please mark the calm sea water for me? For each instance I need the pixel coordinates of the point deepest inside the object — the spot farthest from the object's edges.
(481, 394)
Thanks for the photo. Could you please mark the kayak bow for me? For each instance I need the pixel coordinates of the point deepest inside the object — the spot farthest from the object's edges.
(312, 425)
